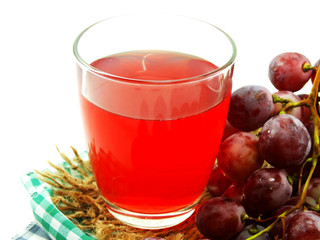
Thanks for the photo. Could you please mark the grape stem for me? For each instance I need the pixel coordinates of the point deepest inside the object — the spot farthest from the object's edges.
(276, 99)
(311, 102)
(301, 175)
(307, 66)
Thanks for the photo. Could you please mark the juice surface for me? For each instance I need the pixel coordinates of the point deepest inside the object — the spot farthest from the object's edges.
(154, 165)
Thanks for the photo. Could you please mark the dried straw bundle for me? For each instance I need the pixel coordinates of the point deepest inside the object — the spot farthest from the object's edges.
(76, 195)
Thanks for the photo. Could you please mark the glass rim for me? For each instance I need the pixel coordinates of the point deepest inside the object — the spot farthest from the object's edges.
(103, 74)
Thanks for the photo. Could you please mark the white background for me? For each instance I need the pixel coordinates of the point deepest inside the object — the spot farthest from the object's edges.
(38, 99)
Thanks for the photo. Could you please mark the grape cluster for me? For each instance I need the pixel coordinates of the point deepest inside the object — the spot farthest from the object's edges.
(265, 184)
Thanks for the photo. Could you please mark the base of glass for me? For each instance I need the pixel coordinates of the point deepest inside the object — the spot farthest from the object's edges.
(150, 221)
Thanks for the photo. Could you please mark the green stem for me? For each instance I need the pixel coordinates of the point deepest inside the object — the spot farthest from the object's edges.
(291, 104)
(306, 184)
(301, 175)
(267, 229)
(313, 97)
(307, 67)
(277, 99)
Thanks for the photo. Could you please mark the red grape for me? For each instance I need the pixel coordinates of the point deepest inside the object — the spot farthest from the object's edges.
(239, 156)
(297, 111)
(218, 183)
(239, 185)
(250, 107)
(220, 218)
(229, 130)
(286, 71)
(284, 141)
(314, 189)
(314, 72)
(234, 192)
(266, 190)
(277, 230)
(304, 225)
(293, 201)
(306, 117)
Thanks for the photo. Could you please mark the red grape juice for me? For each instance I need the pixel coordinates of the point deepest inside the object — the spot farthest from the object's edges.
(153, 138)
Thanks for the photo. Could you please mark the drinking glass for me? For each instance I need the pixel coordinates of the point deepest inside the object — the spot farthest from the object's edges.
(154, 92)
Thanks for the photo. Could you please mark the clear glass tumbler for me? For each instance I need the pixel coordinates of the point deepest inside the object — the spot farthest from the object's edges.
(154, 91)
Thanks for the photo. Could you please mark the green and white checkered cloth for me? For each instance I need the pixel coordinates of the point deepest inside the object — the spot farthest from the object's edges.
(52, 220)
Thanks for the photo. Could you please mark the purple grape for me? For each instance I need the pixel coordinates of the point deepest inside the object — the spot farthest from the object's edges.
(266, 190)
(286, 71)
(304, 225)
(297, 111)
(250, 107)
(220, 218)
(284, 141)
(239, 156)
(251, 230)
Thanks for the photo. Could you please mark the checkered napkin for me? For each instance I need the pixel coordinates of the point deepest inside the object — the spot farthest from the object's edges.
(54, 222)
(32, 232)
